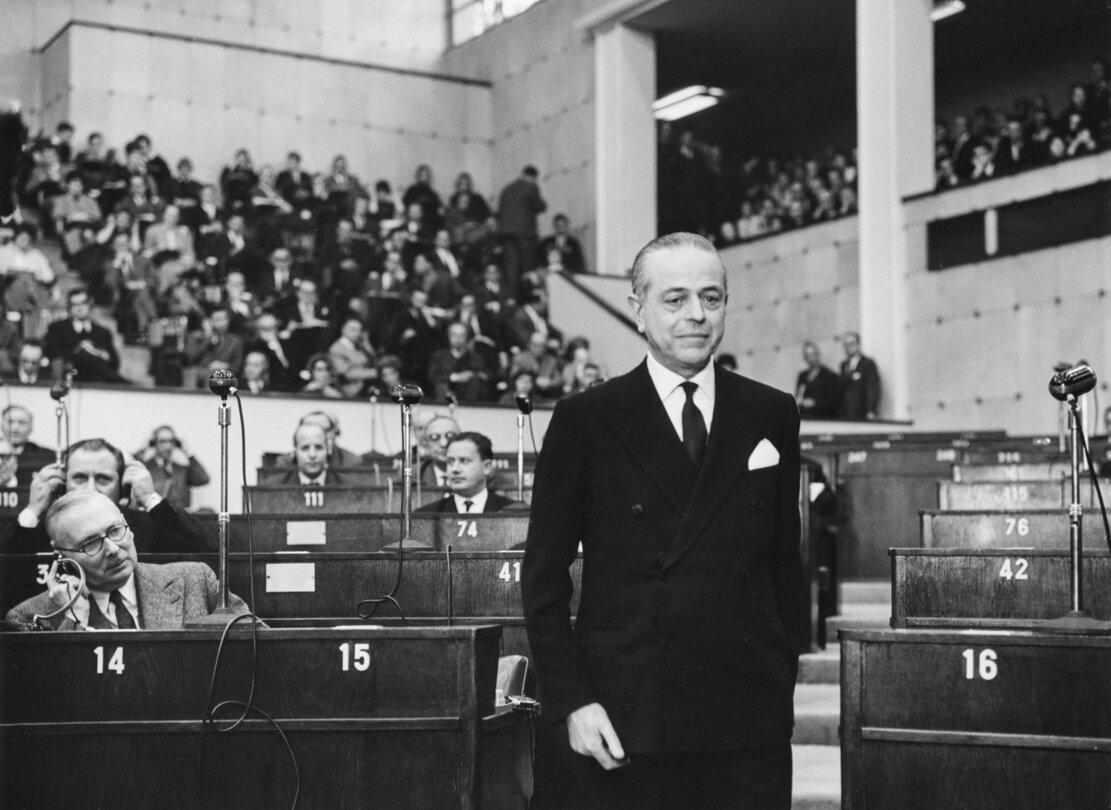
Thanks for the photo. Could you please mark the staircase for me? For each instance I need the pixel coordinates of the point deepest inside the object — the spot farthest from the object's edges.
(817, 753)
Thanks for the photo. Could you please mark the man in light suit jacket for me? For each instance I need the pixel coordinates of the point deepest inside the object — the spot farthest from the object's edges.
(680, 480)
(470, 463)
(120, 592)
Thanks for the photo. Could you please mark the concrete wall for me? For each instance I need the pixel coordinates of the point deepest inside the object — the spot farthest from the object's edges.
(542, 105)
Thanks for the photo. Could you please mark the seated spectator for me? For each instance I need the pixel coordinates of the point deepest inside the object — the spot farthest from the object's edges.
(174, 470)
(215, 346)
(320, 378)
(353, 359)
(74, 211)
(412, 336)
(31, 363)
(127, 279)
(94, 464)
(10, 343)
(9, 462)
(282, 374)
(239, 302)
(543, 363)
(532, 318)
(457, 372)
(338, 457)
(467, 214)
(306, 328)
(470, 464)
(423, 195)
(237, 180)
(79, 343)
(431, 471)
(389, 377)
(341, 186)
(141, 204)
(27, 277)
(983, 163)
(16, 424)
(946, 174)
(570, 251)
(817, 389)
(576, 364)
(185, 193)
(293, 184)
(170, 237)
(256, 373)
(310, 459)
(385, 207)
(1013, 154)
(523, 383)
(120, 592)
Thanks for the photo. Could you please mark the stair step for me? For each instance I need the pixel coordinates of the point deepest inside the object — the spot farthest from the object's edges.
(817, 714)
(859, 591)
(823, 666)
(816, 777)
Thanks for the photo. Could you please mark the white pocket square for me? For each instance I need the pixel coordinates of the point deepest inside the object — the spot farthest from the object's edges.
(765, 455)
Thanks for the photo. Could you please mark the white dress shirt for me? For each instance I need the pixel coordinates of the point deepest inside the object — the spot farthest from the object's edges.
(667, 384)
(130, 600)
(478, 502)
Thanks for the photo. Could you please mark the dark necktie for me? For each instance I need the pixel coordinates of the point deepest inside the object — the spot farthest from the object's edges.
(124, 619)
(467, 505)
(694, 426)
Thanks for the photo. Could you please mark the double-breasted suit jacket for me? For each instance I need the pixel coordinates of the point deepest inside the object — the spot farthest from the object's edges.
(689, 625)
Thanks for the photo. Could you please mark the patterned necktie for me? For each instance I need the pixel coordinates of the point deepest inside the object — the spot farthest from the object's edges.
(694, 426)
(124, 619)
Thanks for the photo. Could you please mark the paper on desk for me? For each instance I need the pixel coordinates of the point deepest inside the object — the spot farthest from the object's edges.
(306, 533)
(290, 577)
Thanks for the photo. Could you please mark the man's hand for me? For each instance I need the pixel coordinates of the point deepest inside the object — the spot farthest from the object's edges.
(179, 457)
(44, 484)
(590, 733)
(61, 587)
(137, 476)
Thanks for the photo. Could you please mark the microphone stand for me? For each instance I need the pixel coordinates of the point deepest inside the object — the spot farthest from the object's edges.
(1077, 620)
(406, 473)
(520, 456)
(222, 614)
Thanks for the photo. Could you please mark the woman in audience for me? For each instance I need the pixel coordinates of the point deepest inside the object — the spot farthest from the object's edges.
(320, 377)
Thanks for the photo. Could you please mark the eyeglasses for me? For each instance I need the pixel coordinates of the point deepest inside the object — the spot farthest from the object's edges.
(94, 545)
(7, 456)
(435, 437)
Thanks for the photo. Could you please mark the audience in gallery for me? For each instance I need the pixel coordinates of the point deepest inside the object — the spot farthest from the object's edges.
(768, 194)
(301, 282)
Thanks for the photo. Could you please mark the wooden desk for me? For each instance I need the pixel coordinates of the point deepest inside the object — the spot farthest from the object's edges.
(948, 587)
(1013, 495)
(13, 499)
(991, 721)
(397, 717)
(345, 499)
(1045, 528)
(324, 531)
(1025, 471)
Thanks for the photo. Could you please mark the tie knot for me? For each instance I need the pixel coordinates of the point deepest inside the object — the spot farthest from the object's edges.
(689, 388)
(467, 505)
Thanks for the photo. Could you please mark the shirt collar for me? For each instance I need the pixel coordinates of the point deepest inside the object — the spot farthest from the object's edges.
(127, 591)
(478, 502)
(666, 381)
(319, 480)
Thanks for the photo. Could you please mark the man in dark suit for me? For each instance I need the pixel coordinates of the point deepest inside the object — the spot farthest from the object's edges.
(174, 471)
(518, 206)
(458, 369)
(16, 423)
(94, 464)
(860, 382)
(470, 463)
(680, 481)
(817, 390)
(78, 342)
(120, 592)
(310, 453)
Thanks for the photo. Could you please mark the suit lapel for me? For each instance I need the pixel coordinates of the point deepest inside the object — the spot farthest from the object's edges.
(160, 598)
(647, 433)
(734, 435)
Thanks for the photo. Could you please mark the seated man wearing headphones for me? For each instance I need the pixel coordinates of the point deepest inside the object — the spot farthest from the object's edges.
(174, 471)
(337, 456)
(94, 464)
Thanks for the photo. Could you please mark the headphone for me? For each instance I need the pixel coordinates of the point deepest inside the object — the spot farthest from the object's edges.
(154, 436)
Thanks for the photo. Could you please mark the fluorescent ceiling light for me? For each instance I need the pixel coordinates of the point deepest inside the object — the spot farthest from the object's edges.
(946, 8)
(686, 102)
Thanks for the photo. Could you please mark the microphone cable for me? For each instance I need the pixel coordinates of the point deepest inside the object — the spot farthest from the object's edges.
(209, 720)
(1095, 482)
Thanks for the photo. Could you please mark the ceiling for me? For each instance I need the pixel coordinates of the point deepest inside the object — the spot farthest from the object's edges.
(789, 65)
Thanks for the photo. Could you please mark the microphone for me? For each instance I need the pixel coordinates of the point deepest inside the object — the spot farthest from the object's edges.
(406, 394)
(524, 403)
(1072, 382)
(223, 382)
(58, 391)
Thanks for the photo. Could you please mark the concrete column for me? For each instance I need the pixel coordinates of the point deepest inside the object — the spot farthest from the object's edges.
(624, 145)
(895, 113)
